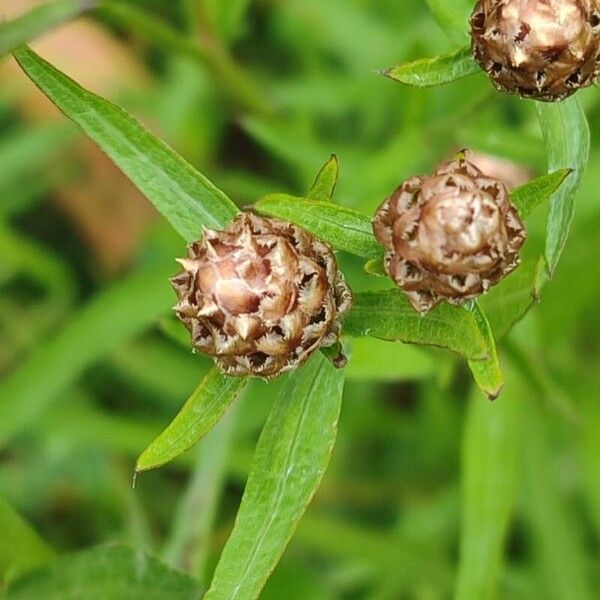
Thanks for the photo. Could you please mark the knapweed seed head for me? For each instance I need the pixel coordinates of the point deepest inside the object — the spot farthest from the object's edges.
(540, 49)
(261, 296)
(449, 236)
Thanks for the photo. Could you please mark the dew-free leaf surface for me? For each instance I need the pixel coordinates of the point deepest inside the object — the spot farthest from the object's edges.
(186, 198)
(198, 416)
(291, 457)
(387, 315)
(344, 228)
(567, 135)
(429, 72)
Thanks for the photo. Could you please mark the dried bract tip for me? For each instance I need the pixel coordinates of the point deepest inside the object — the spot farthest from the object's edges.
(540, 49)
(261, 296)
(449, 236)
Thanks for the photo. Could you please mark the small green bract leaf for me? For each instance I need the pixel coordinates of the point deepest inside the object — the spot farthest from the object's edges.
(198, 416)
(428, 72)
(39, 20)
(291, 457)
(185, 197)
(106, 572)
(487, 373)
(325, 182)
(567, 134)
(343, 228)
(387, 315)
(530, 195)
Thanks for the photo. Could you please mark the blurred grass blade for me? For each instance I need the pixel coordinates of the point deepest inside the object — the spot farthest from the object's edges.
(206, 51)
(557, 538)
(486, 372)
(198, 416)
(567, 135)
(111, 318)
(429, 72)
(387, 315)
(190, 543)
(489, 474)
(291, 457)
(184, 196)
(324, 186)
(343, 228)
(21, 548)
(110, 571)
(38, 21)
(529, 196)
(453, 17)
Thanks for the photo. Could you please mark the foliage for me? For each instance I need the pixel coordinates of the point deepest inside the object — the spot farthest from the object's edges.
(257, 95)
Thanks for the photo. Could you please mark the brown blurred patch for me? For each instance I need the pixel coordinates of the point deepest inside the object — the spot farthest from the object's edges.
(108, 212)
(510, 173)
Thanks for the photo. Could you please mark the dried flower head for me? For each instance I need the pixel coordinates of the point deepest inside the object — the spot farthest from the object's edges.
(541, 49)
(261, 296)
(449, 236)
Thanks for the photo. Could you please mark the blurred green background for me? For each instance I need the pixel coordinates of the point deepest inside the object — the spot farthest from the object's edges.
(426, 472)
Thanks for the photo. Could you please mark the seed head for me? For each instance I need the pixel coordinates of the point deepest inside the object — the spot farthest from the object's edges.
(449, 236)
(260, 296)
(540, 49)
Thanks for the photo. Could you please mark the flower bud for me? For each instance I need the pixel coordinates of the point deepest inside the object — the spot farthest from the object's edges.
(449, 236)
(260, 296)
(540, 49)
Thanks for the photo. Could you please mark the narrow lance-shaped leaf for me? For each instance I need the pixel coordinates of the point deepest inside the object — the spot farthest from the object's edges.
(428, 72)
(325, 182)
(184, 196)
(489, 480)
(529, 196)
(38, 21)
(487, 373)
(343, 228)
(566, 131)
(198, 416)
(388, 315)
(291, 457)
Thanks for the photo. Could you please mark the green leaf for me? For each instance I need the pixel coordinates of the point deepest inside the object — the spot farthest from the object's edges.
(489, 482)
(453, 17)
(106, 572)
(111, 318)
(185, 197)
(291, 457)
(325, 182)
(21, 549)
(508, 302)
(343, 228)
(567, 135)
(428, 72)
(377, 360)
(387, 315)
(487, 372)
(38, 21)
(530, 195)
(198, 416)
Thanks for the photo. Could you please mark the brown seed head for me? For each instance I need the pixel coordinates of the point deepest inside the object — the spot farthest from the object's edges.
(261, 296)
(540, 49)
(449, 236)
